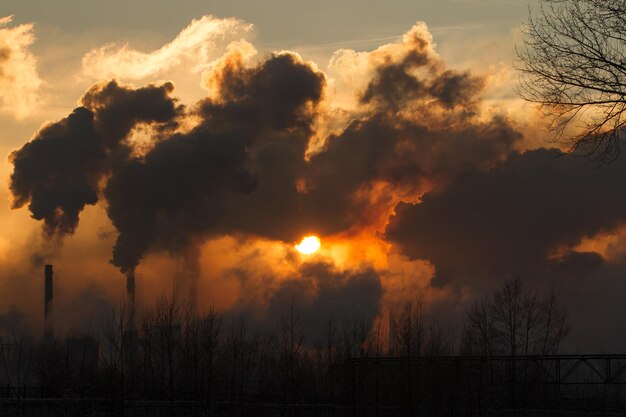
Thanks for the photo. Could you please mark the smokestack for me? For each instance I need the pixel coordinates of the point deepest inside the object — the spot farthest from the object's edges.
(47, 312)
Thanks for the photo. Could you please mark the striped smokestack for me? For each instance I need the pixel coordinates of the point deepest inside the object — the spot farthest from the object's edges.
(47, 312)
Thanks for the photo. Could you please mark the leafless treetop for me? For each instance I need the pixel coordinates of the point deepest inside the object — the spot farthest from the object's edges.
(573, 65)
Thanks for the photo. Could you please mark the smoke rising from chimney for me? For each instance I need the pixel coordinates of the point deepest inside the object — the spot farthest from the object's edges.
(237, 163)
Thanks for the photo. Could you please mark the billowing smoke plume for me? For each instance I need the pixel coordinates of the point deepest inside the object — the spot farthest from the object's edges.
(182, 189)
(525, 218)
(420, 126)
(236, 163)
(58, 172)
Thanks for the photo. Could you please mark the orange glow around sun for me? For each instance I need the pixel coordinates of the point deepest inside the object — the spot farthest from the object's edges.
(309, 245)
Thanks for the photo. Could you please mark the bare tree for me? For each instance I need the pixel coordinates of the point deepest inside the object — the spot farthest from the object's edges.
(354, 334)
(290, 348)
(168, 330)
(409, 332)
(191, 352)
(439, 340)
(573, 65)
(16, 360)
(555, 326)
(210, 338)
(532, 321)
(479, 333)
(409, 327)
(508, 310)
(236, 342)
(329, 353)
(515, 320)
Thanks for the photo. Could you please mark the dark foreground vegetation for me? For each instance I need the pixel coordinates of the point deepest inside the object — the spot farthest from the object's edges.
(502, 361)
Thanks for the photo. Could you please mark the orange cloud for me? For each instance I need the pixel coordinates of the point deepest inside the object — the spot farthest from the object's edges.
(19, 81)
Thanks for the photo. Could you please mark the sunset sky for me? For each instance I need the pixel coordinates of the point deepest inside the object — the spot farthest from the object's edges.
(198, 142)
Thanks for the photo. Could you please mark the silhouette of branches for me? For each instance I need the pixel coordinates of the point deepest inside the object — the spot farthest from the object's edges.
(573, 65)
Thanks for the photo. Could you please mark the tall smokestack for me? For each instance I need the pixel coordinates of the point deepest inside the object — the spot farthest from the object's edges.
(130, 293)
(47, 312)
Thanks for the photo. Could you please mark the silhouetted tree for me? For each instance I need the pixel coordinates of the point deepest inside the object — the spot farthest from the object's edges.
(573, 65)
(354, 334)
(515, 321)
(508, 309)
(290, 348)
(210, 340)
(554, 323)
(410, 327)
(117, 349)
(479, 336)
(167, 333)
(16, 354)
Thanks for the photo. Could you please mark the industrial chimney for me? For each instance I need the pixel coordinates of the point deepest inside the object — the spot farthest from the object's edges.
(47, 312)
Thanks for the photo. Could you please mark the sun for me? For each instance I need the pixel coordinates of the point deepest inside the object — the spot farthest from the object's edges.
(309, 245)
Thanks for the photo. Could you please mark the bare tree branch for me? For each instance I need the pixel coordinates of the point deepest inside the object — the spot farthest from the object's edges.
(573, 64)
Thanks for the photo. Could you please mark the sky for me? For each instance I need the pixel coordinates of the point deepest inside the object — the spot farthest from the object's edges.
(196, 142)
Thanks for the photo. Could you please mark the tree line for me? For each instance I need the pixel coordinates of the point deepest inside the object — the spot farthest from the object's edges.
(174, 354)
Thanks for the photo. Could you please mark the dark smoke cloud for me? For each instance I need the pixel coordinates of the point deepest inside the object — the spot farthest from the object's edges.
(117, 109)
(509, 221)
(396, 83)
(182, 190)
(419, 127)
(404, 155)
(58, 171)
(237, 170)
